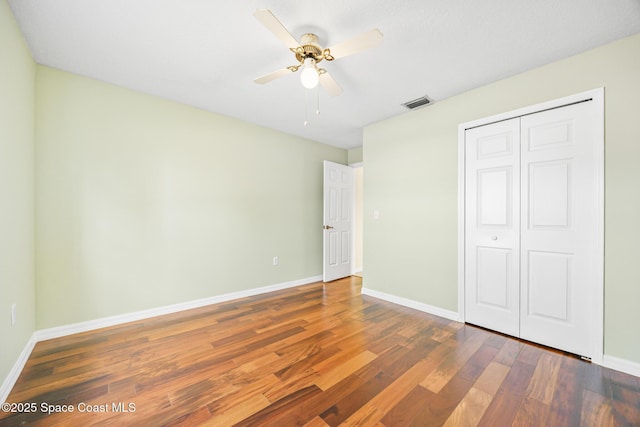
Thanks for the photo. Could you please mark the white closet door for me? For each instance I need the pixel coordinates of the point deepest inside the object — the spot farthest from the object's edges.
(492, 226)
(559, 208)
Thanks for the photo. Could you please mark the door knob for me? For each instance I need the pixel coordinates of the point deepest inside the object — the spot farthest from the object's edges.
(494, 237)
(327, 227)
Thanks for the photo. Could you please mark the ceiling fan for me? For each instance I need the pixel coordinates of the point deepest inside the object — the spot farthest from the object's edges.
(308, 52)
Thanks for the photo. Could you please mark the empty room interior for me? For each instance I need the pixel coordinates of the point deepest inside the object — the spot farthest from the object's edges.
(320, 213)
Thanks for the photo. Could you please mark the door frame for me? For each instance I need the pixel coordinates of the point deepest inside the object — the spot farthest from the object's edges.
(597, 97)
(355, 219)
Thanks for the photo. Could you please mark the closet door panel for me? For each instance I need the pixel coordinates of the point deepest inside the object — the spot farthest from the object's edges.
(558, 236)
(492, 225)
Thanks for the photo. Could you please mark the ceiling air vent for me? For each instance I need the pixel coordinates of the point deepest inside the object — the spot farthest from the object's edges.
(417, 103)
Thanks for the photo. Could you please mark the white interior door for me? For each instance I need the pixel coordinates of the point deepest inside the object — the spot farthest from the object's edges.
(559, 227)
(338, 221)
(492, 226)
(532, 225)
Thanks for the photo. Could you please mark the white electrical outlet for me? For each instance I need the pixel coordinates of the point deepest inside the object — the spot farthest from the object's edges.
(276, 261)
(13, 314)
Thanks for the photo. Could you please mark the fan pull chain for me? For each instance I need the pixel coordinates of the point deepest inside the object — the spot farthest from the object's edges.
(306, 105)
(305, 108)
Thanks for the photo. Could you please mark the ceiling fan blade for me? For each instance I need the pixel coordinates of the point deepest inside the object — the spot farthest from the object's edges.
(272, 24)
(272, 76)
(329, 84)
(364, 41)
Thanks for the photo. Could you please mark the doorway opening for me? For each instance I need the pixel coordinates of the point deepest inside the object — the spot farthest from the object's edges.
(357, 220)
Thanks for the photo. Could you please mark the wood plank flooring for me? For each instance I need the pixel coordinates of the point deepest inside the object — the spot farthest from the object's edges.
(315, 355)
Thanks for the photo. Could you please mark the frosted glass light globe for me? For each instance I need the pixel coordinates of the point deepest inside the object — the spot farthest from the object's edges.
(309, 75)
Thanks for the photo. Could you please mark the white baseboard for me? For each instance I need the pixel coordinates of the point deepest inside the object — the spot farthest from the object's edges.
(17, 368)
(61, 331)
(436, 311)
(90, 325)
(611, 362)
(622, 365)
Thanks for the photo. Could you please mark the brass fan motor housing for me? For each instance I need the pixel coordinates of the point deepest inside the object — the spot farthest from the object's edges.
(308, 51)
(309, 48)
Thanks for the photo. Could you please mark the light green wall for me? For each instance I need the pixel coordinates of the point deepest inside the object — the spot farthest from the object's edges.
(143, 202)
(17, 94)
(355, 155)
(412, 171)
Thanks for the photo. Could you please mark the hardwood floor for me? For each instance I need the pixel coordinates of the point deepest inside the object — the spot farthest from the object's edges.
(313, 355)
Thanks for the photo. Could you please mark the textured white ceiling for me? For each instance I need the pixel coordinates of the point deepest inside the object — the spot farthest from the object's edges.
(207, 53)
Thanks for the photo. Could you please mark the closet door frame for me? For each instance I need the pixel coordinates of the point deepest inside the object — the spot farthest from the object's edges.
(596, 96)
